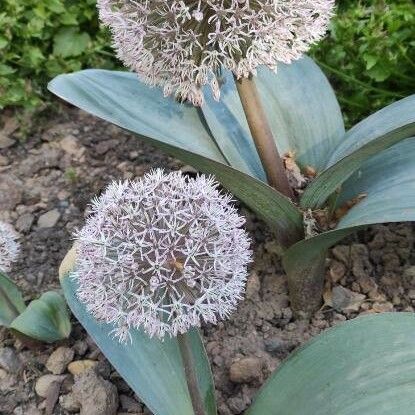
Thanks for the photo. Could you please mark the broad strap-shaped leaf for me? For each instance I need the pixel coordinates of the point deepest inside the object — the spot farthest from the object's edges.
(227, 123)
(388, 183)
(120, 98)
(11, 301)
(153, 368)
(388, 119)
(45, 319)
(364, 366)
(171, 127)
(301, 107)
(387, 186)
(376, 133)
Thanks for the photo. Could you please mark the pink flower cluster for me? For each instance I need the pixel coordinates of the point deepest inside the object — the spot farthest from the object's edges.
(181, 45)
(162, 254)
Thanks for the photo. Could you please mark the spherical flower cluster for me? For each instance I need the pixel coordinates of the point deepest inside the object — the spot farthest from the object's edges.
(9, 247)
(181, 45)
(163, 254)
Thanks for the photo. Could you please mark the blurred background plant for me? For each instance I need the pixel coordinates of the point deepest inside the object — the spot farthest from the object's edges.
(39, 40)
(369, 53)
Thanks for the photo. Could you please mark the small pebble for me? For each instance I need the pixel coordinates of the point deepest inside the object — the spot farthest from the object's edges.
(59, 360)
(9, 360)
(96, 395)
(4, 161)
(46, 382)
(246, 370)
(69, 403)
(24, 222)
(79, 366)
(49, 219)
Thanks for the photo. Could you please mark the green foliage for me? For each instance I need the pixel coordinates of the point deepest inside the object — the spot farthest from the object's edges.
(371, 136)
(370, 54)
(39, 40)
(11, 301)
(45, 319)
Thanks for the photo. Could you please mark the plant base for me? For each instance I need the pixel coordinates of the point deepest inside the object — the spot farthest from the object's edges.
(305, 287)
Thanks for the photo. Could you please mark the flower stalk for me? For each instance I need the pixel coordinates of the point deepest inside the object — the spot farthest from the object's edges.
(262, 136)
(190, 372)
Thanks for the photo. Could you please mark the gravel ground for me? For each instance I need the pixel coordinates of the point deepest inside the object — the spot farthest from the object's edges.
(45, 185)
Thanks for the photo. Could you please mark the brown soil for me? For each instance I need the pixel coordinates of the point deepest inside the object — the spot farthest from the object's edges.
(69, 159)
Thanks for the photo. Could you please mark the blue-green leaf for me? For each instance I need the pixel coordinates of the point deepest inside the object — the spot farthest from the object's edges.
(228, 125)
(45, 319)
(371, 136)
(388, 183)
(303, 111)
(301, 107)
(120, 98)
(388, 119)
(153, 368)
(365, 366)
(11, 301)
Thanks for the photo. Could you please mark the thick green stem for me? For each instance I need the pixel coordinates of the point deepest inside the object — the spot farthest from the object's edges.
(305, 286)
(191, 376)
(262, 136)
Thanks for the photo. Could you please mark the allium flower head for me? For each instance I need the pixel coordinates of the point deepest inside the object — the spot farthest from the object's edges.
(163, 253)
(182, 44)
(9, 247)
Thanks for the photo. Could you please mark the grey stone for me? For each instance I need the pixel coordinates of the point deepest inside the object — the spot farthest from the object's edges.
(276, 345)
(245, 370)
(69, 403)
(96, 395)
(46, 159)
(59, 360)
(5, 142)
(4, 161)
(25, 222)
(409, 275)
(49, 219)
(11, 190)
(27, 410)
(80, 347)
(9, 360)
(344, 299)
(70, 145)
(45, 384)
